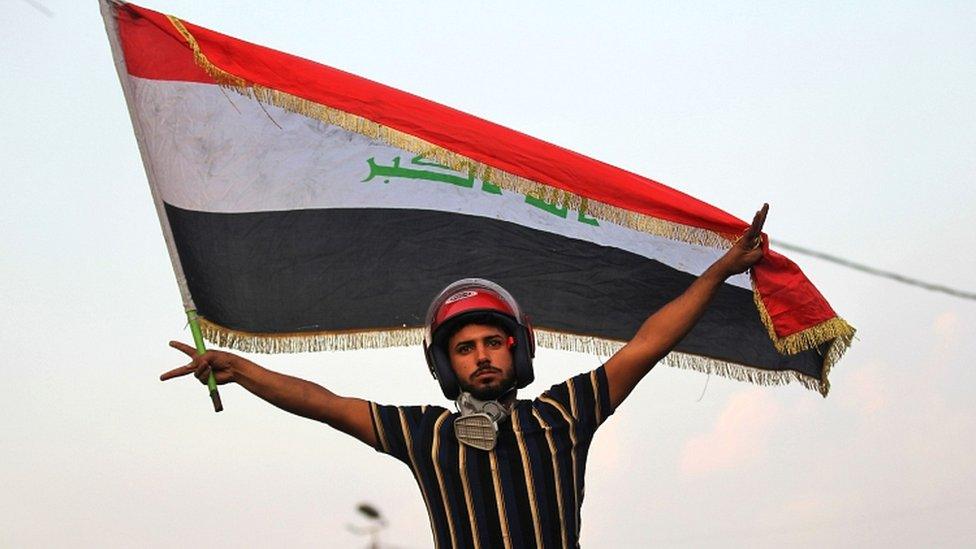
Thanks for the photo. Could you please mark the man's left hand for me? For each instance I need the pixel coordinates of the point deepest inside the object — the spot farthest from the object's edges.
(748, 250)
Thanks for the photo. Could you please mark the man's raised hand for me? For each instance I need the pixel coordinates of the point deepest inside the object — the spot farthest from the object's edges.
(748, 249)
(223, 365)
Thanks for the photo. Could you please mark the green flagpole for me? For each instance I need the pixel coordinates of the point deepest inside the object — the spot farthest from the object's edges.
(194, 320)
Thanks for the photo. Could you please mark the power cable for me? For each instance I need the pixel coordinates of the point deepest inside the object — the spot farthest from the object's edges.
(876, 272)
(40, 7)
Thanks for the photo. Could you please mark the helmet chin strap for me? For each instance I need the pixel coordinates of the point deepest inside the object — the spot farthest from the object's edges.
(477, 426)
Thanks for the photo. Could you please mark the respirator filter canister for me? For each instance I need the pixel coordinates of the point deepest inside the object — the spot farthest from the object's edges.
(477, 424)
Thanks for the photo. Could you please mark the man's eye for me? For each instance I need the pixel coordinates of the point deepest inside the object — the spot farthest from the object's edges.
(495, 342)
(462, 349)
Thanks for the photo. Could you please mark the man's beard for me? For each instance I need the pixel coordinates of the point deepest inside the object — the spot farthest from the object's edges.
(492, 391)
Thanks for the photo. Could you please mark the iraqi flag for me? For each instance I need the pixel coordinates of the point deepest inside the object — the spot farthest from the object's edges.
(306, 208)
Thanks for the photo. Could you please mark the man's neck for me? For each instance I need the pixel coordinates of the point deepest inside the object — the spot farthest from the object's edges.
(476, 405)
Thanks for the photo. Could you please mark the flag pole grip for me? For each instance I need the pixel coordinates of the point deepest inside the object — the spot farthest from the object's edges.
(194, 321)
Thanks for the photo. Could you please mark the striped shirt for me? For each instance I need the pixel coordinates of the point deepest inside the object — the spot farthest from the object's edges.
(527, 492)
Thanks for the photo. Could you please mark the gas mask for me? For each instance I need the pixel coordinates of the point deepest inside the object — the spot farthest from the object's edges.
(477, 426)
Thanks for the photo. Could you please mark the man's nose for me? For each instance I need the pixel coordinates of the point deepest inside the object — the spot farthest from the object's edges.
(481, 352)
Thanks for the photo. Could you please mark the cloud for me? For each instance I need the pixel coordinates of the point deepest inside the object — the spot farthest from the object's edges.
(866, 390)
(946, 339)
(740, 435)
(946, 326)
(608, 452)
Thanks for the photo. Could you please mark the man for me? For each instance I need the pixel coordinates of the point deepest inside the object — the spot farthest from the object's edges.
(500, 472)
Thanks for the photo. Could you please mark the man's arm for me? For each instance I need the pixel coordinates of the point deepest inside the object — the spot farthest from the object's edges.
(666, 327)
(304, 398)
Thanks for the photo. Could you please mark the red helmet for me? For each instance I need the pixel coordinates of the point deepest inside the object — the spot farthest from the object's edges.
(464, 300)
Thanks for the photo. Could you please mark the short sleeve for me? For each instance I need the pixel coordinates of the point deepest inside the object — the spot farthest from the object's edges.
(399, 428)
(586, 397)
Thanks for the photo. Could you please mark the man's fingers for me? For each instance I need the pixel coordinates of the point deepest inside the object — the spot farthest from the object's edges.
(759, 220)
(201, 365)
(177, 372)
(203, 372)
(186, 349)
(752, 239)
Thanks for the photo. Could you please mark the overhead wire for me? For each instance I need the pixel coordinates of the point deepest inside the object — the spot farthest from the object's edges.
(39, 7)
(876, 272)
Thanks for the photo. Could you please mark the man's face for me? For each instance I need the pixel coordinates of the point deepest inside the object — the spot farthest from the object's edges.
(482, 360)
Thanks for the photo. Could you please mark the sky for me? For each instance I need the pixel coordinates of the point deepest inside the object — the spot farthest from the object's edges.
(855, 121)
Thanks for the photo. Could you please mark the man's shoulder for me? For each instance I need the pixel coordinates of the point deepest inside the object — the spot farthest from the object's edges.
(412, 409)
(588, 379)
(584, 397)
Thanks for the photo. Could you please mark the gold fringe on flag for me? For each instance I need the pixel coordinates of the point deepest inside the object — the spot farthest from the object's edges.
(306, 342)
(835, 329)
(298, 342)
(603, 347)
(740, 372)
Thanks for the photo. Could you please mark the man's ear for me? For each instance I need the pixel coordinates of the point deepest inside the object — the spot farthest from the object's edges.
(511, 342)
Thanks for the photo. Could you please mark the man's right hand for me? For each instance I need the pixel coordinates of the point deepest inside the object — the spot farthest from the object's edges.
(298, 396)
(225, 366)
